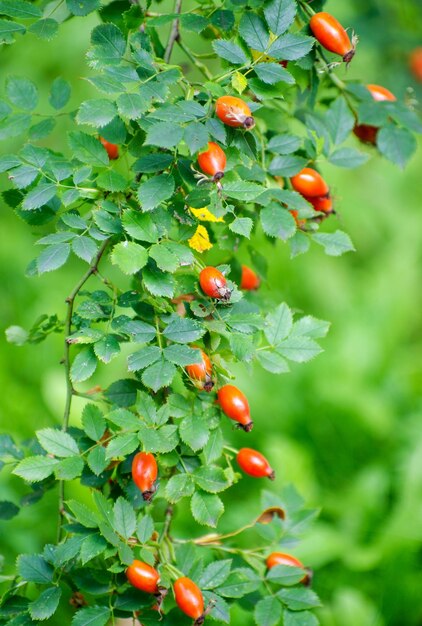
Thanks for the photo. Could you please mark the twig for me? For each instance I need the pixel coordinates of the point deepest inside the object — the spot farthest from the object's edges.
(174, 33)
(66, 361)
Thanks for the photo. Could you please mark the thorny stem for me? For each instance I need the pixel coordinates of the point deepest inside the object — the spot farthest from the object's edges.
(174, 33)
(66, 361)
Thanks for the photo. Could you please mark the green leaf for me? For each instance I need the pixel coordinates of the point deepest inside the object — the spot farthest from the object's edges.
(272, 362)
(299, 349)
(339, 120)
(155, 190)
(93, 422)
(178, 487)
(82, 7)
(46, 604)
(183, 330)
(211, 479)
(164, 135)
(285, 574)
(301, 618)
(280, 15)
(163, 440)
(240, 582)
(194, 431)
(122, 392)
(164, 257)
(253, 30)
(310, 326)
(123, 418)
(272, 73)
(278, 324)
(291, 47)
(214, 446)
(97, 460)
(145, 406)
(277, 222)
(87, 149)
(34, 569)
(107, 348)
(150, 163)
(299, 598)
(243, 190)
(140, 226)
(8, 29)
(53, 257)
(19, 8)
(195, 136)
(109, 44)
(84, 365)
(159, 375)
(242, 226)
(122, 445)
(45, 29)
(396, 144)
(268, 612)
(35, 468)
(145, 528)
(287, 165)
(91, 547)
(92, 616)
(335, 244)
(22, 93)
(284, 144)
(215, 574)
(230, 51)
(129, 257)
(57, 442)
(84, 247)
(131, 105)
(69, 468)
(182, 355)
(39, 196)
(142, 358)
(83, 514)
(97, 113)
(124, 518)
(14, 125)
(348, 157)
(206, 508)
(8, 510)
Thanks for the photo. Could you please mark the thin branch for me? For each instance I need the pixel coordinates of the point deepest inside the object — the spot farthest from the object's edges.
(66, 361)
(174, 33)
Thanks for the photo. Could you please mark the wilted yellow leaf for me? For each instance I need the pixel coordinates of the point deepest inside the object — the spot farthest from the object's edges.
(239, 82)
(200, 240)
(205, 215)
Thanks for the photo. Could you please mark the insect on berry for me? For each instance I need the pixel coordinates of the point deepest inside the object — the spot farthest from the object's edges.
(309, 183)
(201, 373)
(111, 149)
(332, 36)
(250, 280)
(189, 599)
(213, 161)
(234, 112)
(236, 406)
(143, 577)
(254, 464)
(281, 558)
(214, 284)
(366, 132)
(144, 474)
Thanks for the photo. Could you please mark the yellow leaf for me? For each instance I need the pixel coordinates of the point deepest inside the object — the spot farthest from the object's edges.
(205, 215)
(200, 240)
(239, 82)
(261, 57)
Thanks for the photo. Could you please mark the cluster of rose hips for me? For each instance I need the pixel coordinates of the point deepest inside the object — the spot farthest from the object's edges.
(234, 112)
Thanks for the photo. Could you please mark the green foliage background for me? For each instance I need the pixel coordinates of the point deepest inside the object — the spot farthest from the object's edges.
(344, 428)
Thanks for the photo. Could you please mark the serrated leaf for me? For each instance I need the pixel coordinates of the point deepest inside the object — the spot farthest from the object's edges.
(83, 514)
(299, 349)
(129, 256)
(291, 47)
(107, 348)
(140, 226)
(8, 29)
(277, 222)
(88, 149)
(164, 135)
(301, 618)
(339, 120)
(243, 190)
(230, 51)
(194, 431)
(45, 29)
(142, 358)
(109, 44)
(122, 445)
(35, 468)
(124, 518)
(254, 31)
(82, 7)
(19, 8)
(69, 468)
(195, 136)
(97, 113)
(46, 604)
(155, 191)
(272, 362)
(93, 422)
(299, 598)
(131, 105)
(285, 574)
(159, 375)
(278, 324)
(182, 355)
(310, 326)
(112, 181)
(84, 365)
(280, 15)
(34, 568)
(211, 479)
(92, 616)
(206, 508)
(268, 612)
(242, 226)
(272, 73)
(91, 547)
(335, 244)
(348, 157)
(162, 440)
(183, 330)
(284, 144)
(164, 257)
(22, 93)
(59, 93)
(178, 487)
(214, 446)
(97, 460)
(396, 144)
(84, 247)
(39, 196)
(287, 165)
(145, 528)
(57, 442)
(215, 574)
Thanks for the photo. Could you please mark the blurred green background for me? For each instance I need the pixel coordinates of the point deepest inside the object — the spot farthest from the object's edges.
(345, 428)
